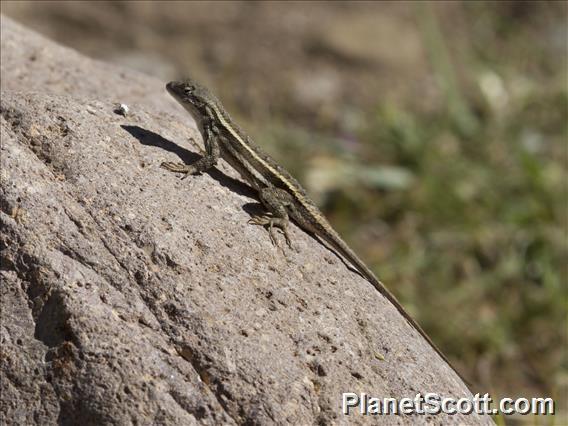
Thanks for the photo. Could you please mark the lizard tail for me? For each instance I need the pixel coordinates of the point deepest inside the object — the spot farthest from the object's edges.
(333, 239)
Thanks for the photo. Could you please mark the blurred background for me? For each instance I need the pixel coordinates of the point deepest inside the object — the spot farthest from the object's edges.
(432, 135)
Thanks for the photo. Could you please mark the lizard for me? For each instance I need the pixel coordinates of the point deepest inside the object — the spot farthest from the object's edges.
(280, 193)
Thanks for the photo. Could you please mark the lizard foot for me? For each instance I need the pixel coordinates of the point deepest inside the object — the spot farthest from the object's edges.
(272, 223)
(186, 169)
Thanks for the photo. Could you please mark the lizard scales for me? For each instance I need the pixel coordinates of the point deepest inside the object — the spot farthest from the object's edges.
(278, 191)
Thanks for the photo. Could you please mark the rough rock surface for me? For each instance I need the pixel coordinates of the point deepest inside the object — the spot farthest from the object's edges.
(130, 296)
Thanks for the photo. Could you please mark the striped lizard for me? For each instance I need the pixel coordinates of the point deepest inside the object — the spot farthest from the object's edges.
(282, 196)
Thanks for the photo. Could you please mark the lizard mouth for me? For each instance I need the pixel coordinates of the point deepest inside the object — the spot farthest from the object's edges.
(170, 87)
(175, 88)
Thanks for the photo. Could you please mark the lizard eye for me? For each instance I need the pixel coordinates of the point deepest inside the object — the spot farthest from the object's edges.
(188, 90)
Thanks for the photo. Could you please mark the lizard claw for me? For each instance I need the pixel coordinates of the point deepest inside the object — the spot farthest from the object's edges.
(186, 169)
(264, 221)
(259, 220)
(287, 237)
(271, 223)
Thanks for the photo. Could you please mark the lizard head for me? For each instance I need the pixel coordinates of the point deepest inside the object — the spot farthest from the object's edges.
(190, 94)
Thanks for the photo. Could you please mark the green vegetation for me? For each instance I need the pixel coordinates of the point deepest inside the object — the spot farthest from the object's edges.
(463, 207)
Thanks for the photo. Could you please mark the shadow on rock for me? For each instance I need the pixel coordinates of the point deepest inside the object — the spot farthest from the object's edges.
(149, 138)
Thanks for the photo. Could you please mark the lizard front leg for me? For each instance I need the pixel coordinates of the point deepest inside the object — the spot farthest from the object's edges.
(277, 201)
(211, 140)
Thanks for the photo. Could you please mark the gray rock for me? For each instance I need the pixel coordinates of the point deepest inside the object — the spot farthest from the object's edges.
(130, 296)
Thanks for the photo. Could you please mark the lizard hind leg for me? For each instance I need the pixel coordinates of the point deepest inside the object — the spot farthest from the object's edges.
(276, 201)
